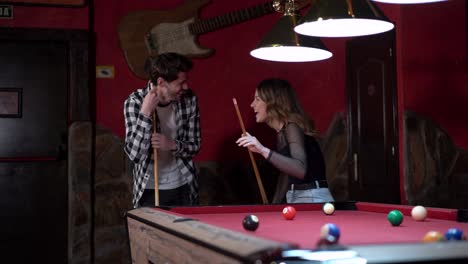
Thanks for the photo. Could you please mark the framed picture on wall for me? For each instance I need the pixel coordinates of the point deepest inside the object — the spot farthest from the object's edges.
(11, 102)
(63, 3)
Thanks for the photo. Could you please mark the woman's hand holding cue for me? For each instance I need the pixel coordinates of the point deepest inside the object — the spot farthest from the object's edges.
(253, 145)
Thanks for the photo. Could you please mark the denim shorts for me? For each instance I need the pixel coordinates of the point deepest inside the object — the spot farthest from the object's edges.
(320, 195)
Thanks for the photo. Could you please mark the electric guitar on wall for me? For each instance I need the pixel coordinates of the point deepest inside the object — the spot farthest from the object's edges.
(149, 32)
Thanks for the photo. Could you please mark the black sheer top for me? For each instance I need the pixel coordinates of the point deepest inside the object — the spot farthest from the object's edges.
(298, 155)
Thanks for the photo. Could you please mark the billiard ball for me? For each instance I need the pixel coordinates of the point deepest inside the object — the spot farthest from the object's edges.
(289, 212)
(432, 236)
(327, 241)
(250, 222)
(330, 229)
(419, 213)
(328, 208)
(454, 234)
(395, 217)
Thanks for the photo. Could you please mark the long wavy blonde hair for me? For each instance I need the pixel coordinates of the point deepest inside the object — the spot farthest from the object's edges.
(282, 104)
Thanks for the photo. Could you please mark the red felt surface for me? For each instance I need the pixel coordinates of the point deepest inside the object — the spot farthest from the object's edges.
(357, 226)
(438, 213)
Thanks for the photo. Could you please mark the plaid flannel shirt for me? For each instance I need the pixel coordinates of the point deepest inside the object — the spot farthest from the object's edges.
(138, 130)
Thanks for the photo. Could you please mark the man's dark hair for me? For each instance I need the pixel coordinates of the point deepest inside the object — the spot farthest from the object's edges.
(167, 66)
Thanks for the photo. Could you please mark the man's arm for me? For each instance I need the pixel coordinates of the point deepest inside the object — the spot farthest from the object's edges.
(189, 145)
(137, 131)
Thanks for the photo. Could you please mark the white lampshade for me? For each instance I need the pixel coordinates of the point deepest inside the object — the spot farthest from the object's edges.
(408, 1)
(343, 18)
(281, 43)
(291, 54)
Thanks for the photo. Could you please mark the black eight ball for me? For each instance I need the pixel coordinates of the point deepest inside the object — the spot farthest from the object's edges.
(250, 222)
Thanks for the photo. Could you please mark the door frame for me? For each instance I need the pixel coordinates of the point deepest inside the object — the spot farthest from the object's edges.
(392, 144)
(81, 113)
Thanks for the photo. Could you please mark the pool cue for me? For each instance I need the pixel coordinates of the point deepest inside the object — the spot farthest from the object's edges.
(254, 165)
(155, 168)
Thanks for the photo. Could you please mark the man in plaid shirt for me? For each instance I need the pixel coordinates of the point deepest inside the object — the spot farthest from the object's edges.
(177, 138)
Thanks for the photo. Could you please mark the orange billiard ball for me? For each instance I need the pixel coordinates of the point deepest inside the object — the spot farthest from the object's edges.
(433, 236)
(289, 212)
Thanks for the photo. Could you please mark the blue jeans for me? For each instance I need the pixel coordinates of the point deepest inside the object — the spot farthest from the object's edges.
(179, 196)
(320, 195)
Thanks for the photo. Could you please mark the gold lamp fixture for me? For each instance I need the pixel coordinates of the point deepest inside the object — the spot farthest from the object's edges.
(343, 18)
(283, 44)
(408, 1)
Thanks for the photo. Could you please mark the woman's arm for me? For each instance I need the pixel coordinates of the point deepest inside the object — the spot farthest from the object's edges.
(296, 164)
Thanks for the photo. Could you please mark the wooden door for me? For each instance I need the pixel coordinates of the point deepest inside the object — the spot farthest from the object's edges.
(33, 162)
(372, 119)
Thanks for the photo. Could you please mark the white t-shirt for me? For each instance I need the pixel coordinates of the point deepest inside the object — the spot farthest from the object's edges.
(168, 173)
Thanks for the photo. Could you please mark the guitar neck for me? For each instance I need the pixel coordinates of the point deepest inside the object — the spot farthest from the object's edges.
(235, 17)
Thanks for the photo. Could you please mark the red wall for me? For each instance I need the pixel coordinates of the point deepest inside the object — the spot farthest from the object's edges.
(431, 66)
(434, 65)
(47, 17)
(230, 72)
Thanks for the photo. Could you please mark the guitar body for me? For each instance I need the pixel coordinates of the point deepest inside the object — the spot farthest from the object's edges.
(149, 32)
(152, 32)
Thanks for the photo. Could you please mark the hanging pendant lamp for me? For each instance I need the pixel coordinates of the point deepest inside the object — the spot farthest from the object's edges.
(408, 1)
(343, 18)
(282, 44)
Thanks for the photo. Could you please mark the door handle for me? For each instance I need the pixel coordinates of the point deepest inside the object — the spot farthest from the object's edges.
(355, 163)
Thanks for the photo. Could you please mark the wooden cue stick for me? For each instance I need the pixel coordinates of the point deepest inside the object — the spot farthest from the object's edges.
(254, 165)
(155, 168)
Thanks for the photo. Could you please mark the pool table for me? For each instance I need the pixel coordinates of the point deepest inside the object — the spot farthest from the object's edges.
(214, 234)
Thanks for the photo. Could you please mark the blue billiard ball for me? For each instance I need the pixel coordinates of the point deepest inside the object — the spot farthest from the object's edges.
(454, 234)
(330, 230)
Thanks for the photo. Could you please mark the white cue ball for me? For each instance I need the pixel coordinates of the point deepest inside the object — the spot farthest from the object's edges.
(419, 213)
(328, 208)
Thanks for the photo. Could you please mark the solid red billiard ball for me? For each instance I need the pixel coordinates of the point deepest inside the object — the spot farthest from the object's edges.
(289, 212)
(250, 222)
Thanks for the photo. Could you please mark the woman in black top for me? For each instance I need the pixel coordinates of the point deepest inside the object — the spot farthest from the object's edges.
(298, 156)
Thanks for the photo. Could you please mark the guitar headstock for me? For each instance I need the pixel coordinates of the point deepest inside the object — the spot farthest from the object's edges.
(279, 5)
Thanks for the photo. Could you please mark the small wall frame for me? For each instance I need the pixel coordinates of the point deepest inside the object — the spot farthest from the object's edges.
(11, 102)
